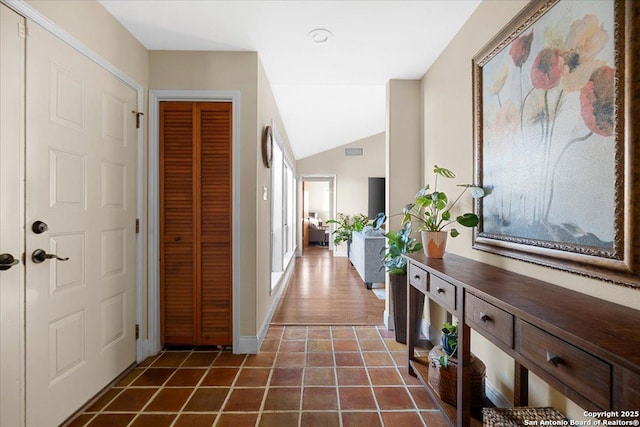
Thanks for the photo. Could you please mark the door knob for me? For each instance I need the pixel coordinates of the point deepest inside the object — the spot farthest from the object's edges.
(39, 227)
(39, 255)
(7, 261)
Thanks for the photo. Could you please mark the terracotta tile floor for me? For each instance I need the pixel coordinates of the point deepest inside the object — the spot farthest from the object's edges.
(320, 376)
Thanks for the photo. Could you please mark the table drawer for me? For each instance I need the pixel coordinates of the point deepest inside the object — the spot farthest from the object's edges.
(418, 278)
(630, 391)
(486, 317)
(581, 371)
(442, 292)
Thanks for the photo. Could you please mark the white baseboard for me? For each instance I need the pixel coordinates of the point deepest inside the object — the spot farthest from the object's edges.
(495, 396)
(251, 344)
(247, 345)
(146, 348)
(388, 321)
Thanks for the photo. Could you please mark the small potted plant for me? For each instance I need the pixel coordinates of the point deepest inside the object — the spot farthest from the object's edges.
(400, 243)
(449, 342)
(345, 226)
(432, 210)
(443, 369)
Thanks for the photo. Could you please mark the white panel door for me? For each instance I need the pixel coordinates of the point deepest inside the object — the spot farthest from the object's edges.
(11, 217)
(80, 181)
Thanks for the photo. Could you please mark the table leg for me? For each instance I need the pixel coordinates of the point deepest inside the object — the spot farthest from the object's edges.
(521, 385)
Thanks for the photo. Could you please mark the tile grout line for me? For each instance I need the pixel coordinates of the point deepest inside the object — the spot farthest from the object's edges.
(160, 387)
(195, 387)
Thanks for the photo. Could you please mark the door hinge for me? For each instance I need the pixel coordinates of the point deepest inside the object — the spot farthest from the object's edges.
(137, 226)
(137, 331)
(22, 30)
(138, 114)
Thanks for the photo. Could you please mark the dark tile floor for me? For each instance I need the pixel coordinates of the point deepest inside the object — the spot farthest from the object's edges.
(325, 376)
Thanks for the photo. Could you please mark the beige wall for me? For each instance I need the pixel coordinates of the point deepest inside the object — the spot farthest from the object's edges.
(267, 112)
(90, 23)
(319, 199)
(403, 150)
(403, 146)
(446, 90)
(242, 71)
(189, 70)
(352, 173)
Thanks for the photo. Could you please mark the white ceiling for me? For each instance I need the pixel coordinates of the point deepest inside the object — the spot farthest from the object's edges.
(328, 94)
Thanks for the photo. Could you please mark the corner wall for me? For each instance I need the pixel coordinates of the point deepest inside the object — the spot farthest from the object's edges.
(189, 70)
(242, 71)
(448, 142)
(403, 148)
(266, 299)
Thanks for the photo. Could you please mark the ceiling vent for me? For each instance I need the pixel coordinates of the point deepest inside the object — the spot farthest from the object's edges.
(354, 152)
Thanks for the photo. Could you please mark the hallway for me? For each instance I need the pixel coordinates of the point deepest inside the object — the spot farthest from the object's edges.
(325, 290)
(328, 376)
(323, 376)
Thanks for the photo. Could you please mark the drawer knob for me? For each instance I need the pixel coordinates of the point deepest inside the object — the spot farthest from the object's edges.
(484, 317)
(554, 359)
(440, 290)
(417, 277)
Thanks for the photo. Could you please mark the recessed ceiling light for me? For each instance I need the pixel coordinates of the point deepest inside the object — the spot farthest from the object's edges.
(320, 35)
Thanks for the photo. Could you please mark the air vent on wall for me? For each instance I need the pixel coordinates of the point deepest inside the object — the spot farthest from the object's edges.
(353, 152)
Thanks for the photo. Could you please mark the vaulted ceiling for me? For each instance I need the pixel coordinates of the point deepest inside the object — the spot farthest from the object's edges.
(331, 93)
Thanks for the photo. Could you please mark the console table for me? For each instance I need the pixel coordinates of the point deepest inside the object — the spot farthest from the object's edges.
(586, 348)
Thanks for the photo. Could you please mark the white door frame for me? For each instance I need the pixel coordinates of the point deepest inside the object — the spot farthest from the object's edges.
(32, 14)
(155, 97)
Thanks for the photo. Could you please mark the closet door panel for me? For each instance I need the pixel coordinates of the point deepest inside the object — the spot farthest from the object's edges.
(177, 218)
(215, 227)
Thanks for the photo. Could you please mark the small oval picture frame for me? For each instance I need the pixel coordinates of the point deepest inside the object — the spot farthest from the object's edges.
(267, 146)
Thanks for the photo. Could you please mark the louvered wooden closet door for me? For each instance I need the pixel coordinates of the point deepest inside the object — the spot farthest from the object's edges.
(195, 194)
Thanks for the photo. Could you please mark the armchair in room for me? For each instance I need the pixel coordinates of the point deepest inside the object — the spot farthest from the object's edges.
(317, 233)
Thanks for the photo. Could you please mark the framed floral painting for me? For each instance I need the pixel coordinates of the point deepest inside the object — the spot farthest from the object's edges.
(555, 101)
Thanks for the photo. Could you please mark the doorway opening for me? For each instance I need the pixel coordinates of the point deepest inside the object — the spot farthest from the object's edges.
(318, 206)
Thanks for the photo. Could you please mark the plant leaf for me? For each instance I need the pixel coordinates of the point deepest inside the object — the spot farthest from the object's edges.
(476, 192)
(468, 220)
(454, 232)
(443, 172)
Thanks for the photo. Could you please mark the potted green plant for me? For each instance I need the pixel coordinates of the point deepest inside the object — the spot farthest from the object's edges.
(449, 342)
(443, 369)
(398, 244)
(345, 225)
(432, 210)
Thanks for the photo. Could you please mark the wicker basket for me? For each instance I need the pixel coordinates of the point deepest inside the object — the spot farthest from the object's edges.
(443, 380)
(515, 417)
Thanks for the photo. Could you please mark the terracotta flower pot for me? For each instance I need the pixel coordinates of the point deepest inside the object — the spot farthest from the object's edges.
(435, 243)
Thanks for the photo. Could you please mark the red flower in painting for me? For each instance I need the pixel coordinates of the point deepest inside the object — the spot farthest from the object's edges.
(597, 101)
(547, 69)
(520, 49)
